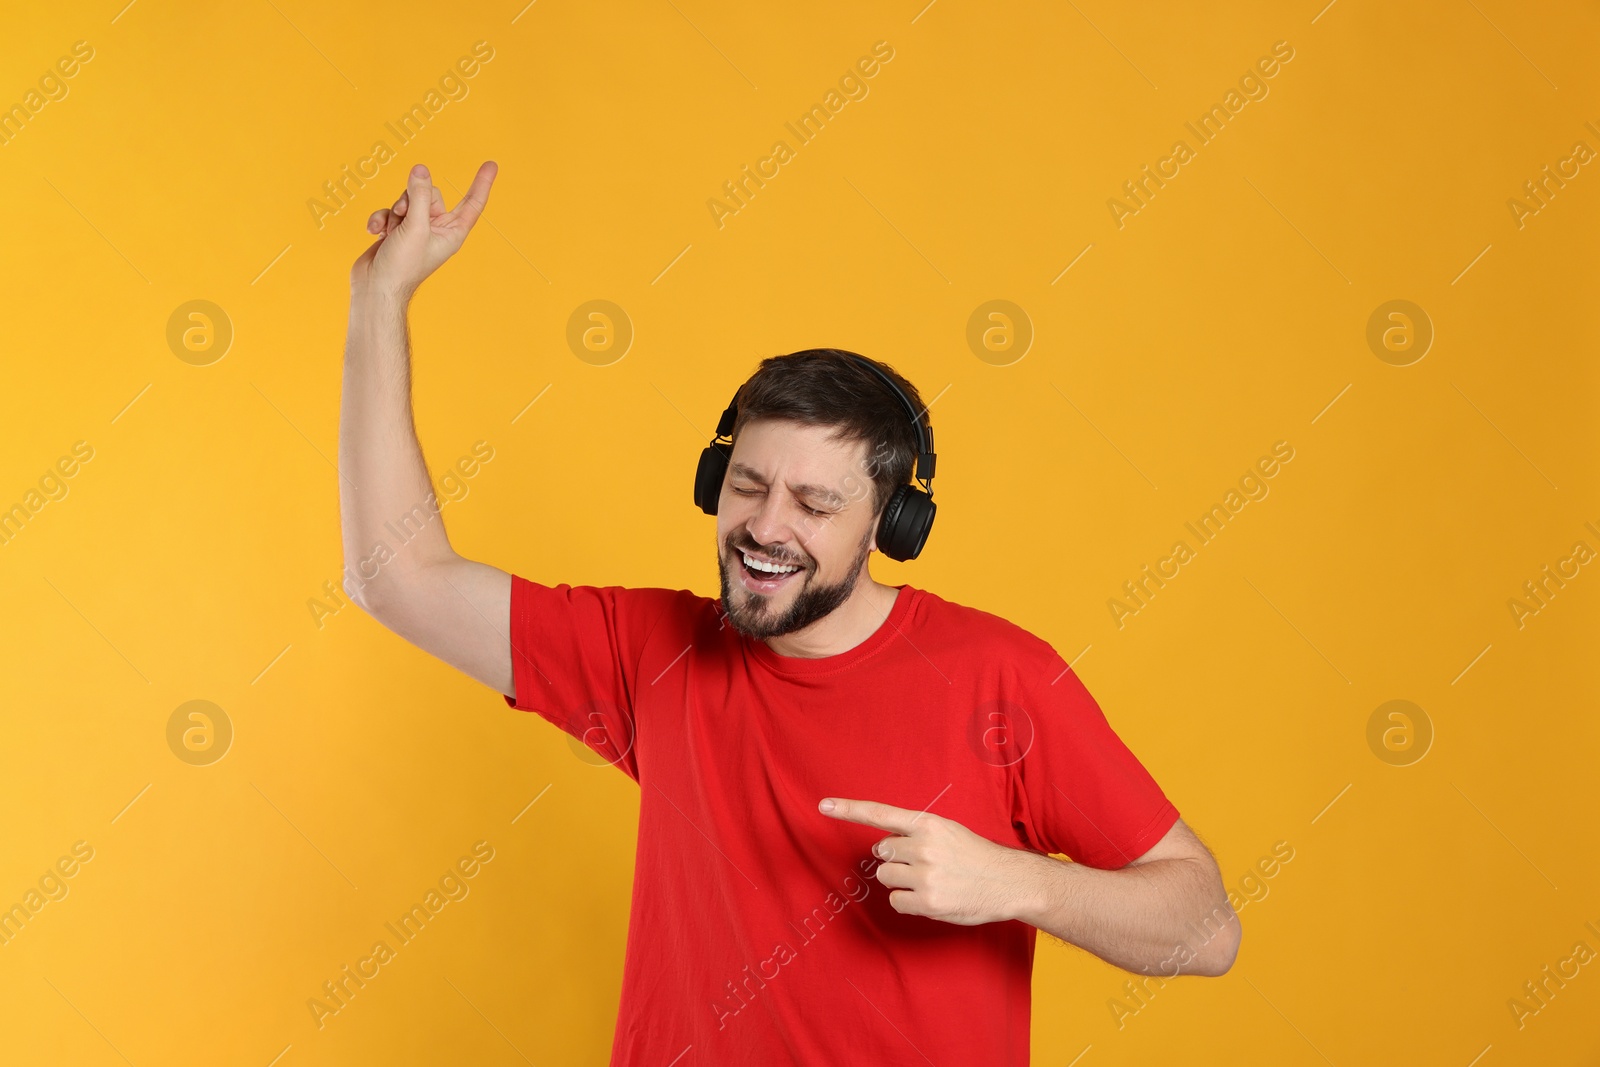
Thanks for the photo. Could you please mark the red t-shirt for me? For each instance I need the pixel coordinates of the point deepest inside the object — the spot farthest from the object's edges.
(758, 932)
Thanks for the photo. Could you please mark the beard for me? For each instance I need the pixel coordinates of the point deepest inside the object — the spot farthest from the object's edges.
(752, 614)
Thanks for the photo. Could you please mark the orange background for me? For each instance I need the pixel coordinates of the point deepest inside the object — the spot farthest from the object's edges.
(181, 560)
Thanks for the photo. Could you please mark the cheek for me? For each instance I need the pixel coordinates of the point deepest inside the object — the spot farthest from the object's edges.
(817, 540)
(831, 547)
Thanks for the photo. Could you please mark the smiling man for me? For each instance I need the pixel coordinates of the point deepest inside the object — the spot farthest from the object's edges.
(852, 793)
(777, 594)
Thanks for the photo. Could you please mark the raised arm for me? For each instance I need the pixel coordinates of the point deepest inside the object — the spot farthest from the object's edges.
(453, 607)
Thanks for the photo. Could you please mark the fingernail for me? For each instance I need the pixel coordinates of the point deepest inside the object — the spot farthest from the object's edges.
(419, 171)
(826, 805)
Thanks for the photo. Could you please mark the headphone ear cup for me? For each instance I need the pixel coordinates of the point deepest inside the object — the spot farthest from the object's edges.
(708, 477)
(906, 523)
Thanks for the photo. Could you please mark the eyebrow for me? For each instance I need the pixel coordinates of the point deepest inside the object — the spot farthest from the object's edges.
(818, 492)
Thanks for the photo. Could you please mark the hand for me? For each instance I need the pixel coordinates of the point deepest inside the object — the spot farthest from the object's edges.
(418, 234)
(939, 868)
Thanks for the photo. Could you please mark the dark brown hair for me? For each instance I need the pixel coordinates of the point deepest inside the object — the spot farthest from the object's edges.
(825, 387)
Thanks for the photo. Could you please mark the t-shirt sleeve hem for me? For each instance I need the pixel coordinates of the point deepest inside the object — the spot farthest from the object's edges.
(1143, 841)
(519, 672)
(529, 694)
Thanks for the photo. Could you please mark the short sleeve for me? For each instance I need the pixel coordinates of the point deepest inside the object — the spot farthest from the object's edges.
(1080, 791)
(577, 652)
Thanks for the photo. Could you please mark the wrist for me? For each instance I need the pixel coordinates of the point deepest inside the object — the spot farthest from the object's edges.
(368, 290)
(367, 297)
(1040, 889)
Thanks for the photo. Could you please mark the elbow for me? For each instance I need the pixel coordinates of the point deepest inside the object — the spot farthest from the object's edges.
(1213, 954)
(365, 595)
(1225, 949)
(1223, 930)
(356, 593)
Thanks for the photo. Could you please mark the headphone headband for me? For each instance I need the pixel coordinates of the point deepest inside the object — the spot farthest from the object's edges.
(925, 456)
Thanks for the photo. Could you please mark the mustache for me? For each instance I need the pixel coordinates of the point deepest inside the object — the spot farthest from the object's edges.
(782, 561)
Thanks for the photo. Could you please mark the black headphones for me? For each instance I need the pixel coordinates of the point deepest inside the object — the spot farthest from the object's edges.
(902, 531)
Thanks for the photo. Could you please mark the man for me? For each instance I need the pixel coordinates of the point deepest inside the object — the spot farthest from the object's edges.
(851, 792)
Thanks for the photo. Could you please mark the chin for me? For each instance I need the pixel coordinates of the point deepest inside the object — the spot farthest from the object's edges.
(747, 611)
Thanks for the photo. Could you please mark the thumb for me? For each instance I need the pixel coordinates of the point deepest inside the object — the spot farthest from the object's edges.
(419, 199)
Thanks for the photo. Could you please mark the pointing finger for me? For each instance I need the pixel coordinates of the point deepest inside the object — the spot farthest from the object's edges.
(870, 813)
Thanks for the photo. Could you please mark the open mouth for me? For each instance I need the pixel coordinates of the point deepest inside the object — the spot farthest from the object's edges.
(762, 580)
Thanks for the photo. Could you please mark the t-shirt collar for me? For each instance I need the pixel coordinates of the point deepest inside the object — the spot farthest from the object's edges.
(888, 631)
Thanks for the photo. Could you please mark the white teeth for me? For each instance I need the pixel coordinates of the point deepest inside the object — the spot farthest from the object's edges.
(757, 565)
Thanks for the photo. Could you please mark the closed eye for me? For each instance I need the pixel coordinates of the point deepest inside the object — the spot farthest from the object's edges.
(752, 492)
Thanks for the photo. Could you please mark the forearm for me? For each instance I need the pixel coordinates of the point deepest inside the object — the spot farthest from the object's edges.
(388, 515)
(1163, 917)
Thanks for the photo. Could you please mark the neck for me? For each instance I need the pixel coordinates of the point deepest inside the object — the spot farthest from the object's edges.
(842, 629)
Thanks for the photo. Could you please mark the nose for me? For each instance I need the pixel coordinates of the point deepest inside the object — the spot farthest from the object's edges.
(767, 525)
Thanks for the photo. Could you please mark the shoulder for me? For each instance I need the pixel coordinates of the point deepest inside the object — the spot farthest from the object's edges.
(984, 635)
(682, 607)
(682, 615)
(639, 610)
(629, 596)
